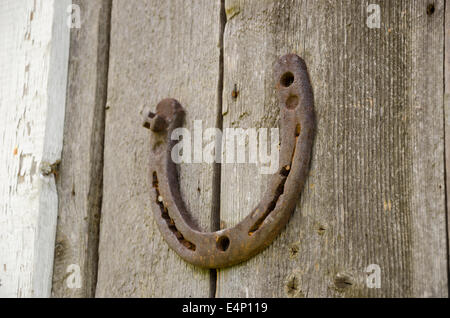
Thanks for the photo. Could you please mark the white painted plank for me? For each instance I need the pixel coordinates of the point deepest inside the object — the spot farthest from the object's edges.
(33, 75)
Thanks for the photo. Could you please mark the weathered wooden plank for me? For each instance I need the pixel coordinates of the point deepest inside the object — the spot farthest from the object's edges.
(375, 194)
(447, 115)
(158, 50)
(33, 75)
(428, 210)
(81, 168)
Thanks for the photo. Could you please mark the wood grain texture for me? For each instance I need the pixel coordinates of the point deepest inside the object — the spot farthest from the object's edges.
(428, 218)
(447, 117)
(80, 177)
(33, 75)
(158, 50)
(375, 194)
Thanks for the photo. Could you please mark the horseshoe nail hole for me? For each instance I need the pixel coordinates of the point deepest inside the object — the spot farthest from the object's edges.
(165, 215)
(279, 191)
(223, 243)
(430, 9)
(292, 102)
(287, 79)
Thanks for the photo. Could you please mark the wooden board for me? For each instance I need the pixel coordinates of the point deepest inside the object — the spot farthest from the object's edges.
(447, 112)
(33, 75)
(158, 50)
(80, 175)
(375, 194)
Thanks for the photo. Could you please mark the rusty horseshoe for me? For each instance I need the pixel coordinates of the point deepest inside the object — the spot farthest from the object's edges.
(256, 231)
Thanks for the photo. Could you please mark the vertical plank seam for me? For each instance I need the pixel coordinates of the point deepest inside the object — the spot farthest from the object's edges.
(103, 98)
(446, 89)
(215, 206)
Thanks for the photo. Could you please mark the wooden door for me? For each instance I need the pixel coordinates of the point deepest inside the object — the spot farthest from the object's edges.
(375, 198)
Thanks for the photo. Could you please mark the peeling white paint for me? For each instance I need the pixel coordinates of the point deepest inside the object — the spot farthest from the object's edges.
(33, 75)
